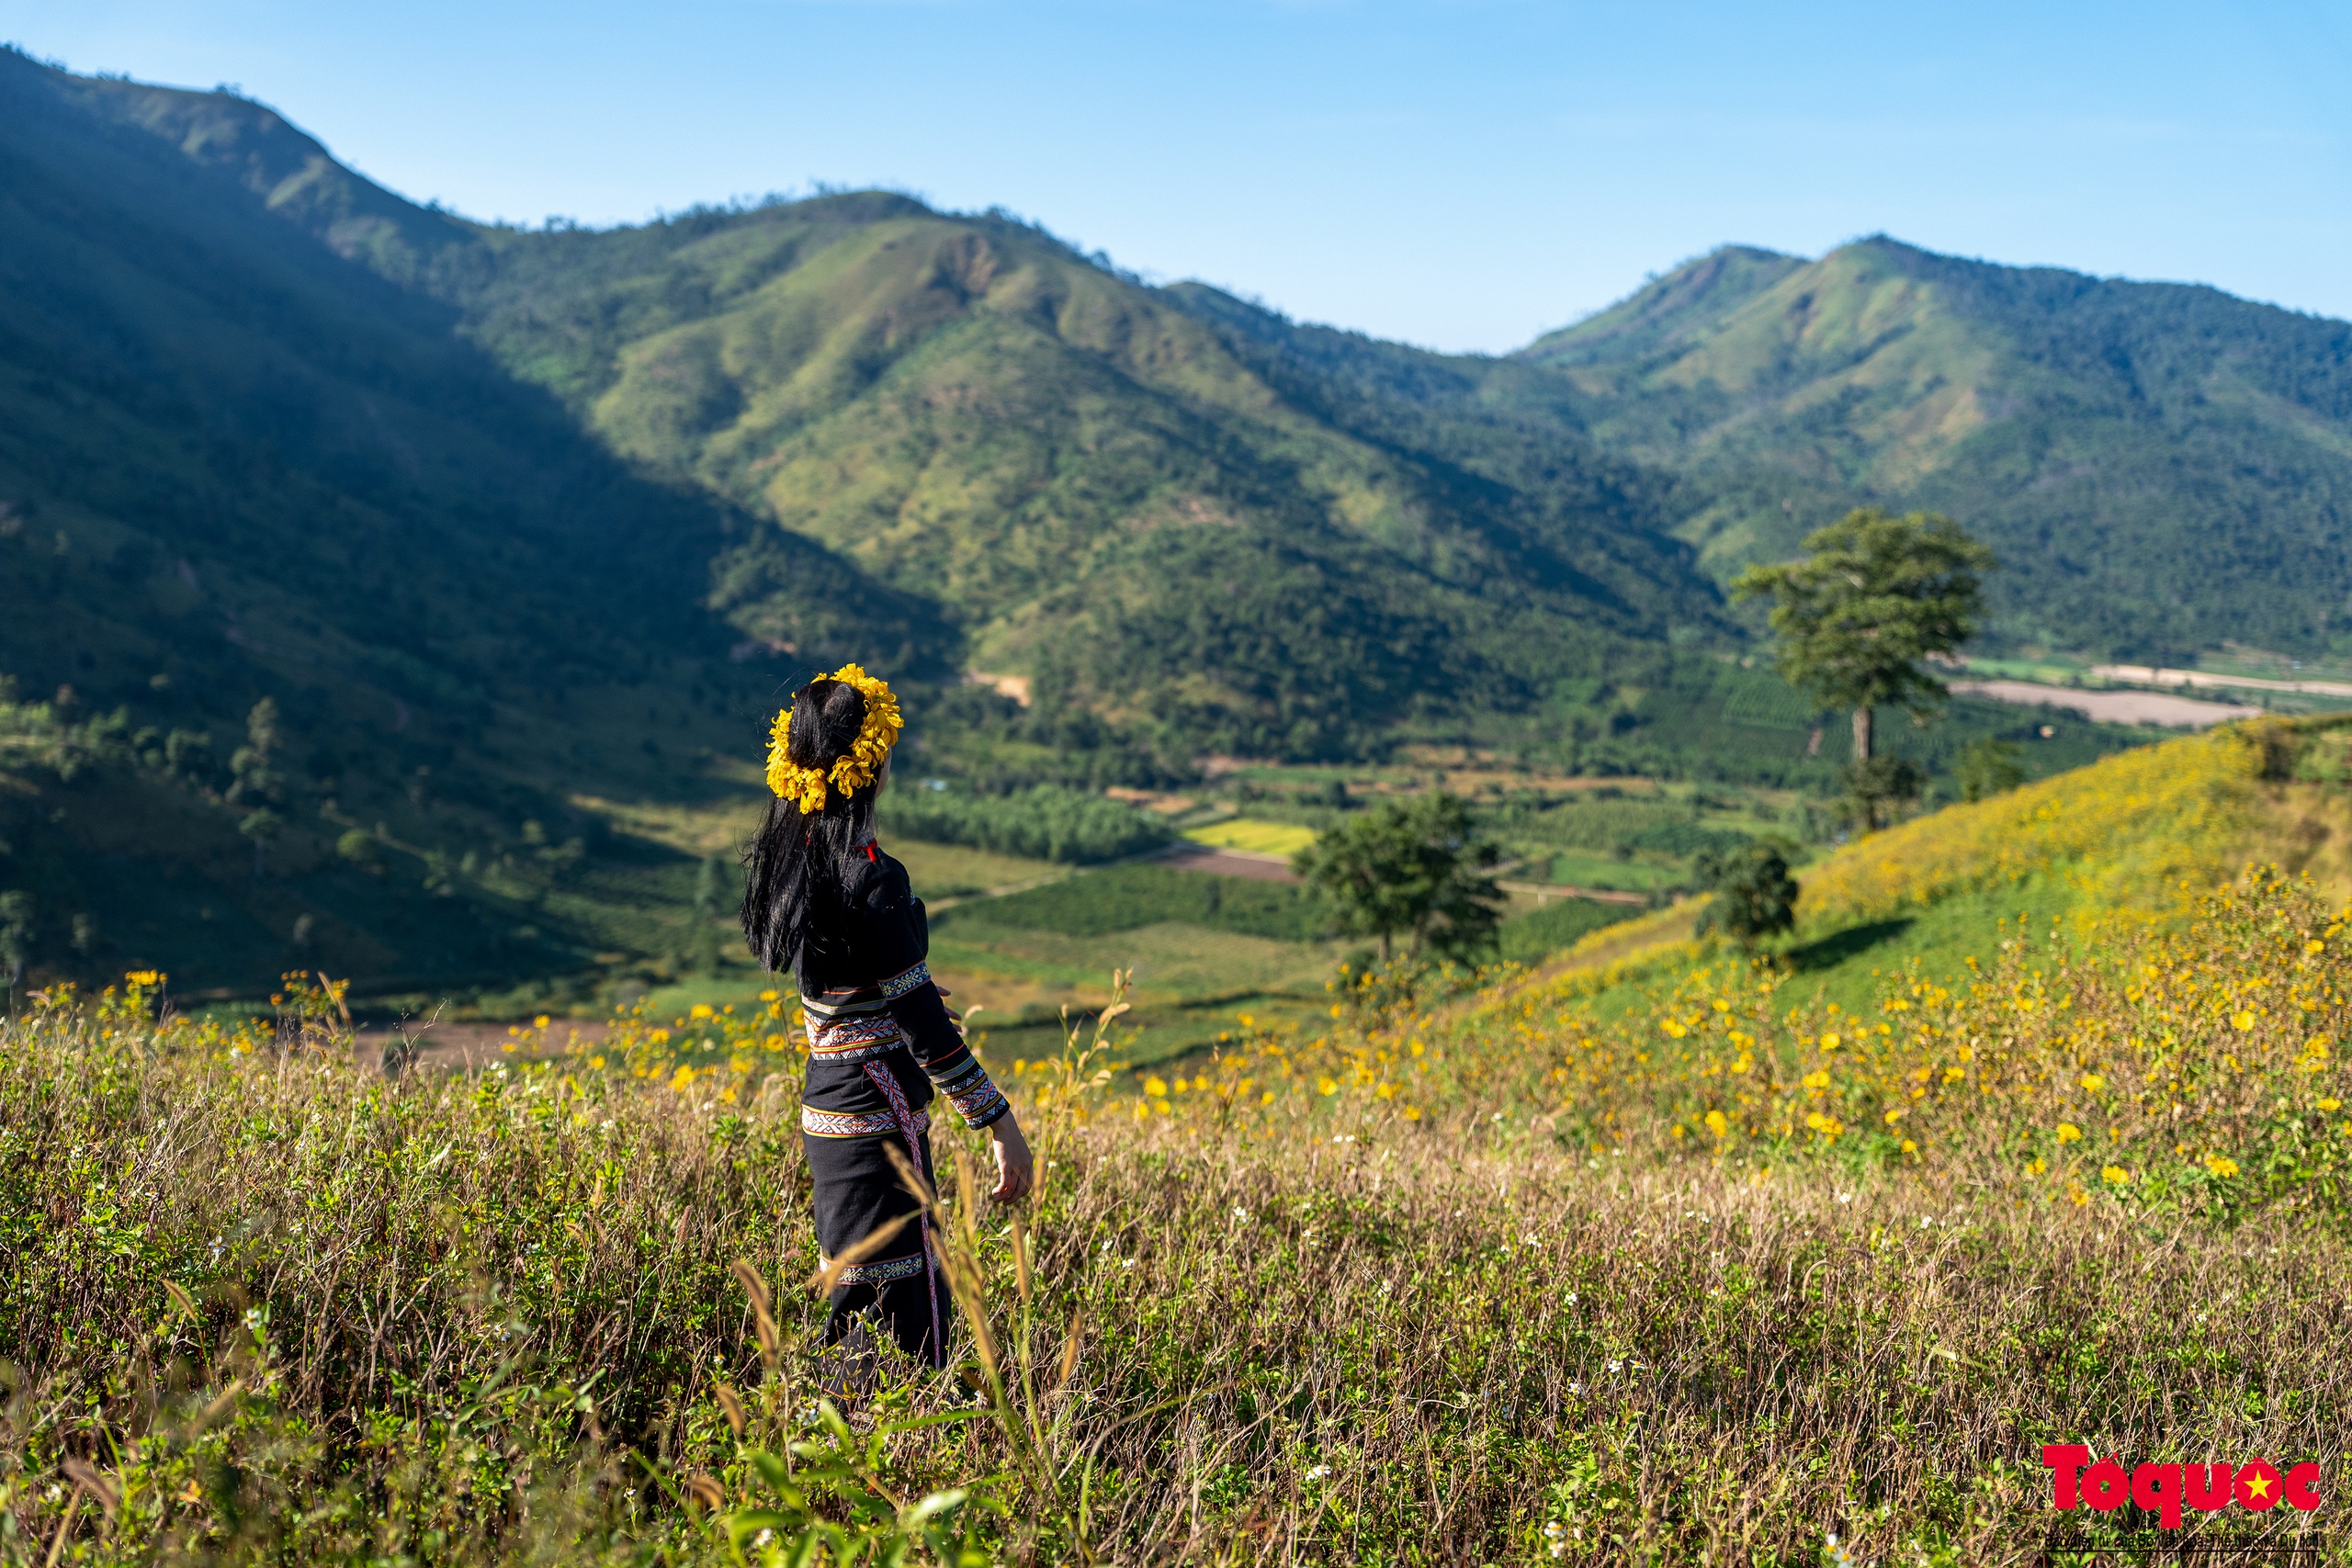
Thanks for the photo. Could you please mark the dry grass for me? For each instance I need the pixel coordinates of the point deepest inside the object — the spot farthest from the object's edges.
(276, 1308)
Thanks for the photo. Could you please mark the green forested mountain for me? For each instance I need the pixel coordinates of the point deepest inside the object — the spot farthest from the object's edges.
(505, 523)
(1096, 490)
(2163, 468)
(234, 466)
(502, 523)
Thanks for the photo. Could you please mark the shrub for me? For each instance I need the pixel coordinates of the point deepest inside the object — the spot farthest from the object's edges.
(1755, 896)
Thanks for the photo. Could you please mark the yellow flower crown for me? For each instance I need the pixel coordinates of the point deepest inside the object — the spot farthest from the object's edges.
(857, 767)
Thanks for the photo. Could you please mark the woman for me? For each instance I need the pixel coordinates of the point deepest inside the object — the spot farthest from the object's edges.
(823, 901)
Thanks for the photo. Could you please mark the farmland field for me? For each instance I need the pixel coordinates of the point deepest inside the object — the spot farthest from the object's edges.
(1255, 836)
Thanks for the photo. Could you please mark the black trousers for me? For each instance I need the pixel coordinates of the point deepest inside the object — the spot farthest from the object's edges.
(896, 1292)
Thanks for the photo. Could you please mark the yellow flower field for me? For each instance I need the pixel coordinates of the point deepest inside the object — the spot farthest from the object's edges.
(1253, 837)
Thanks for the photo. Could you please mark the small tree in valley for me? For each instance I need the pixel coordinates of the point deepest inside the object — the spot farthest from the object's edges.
(1412, 868)
(1989, 767)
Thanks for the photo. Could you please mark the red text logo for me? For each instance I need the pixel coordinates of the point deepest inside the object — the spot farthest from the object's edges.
(2164, 1489)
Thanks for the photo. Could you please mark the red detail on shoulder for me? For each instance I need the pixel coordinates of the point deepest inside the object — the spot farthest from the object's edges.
(873, 854)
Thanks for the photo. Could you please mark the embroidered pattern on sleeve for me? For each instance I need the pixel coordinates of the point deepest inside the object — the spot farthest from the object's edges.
(899, 984)
(973, 1094)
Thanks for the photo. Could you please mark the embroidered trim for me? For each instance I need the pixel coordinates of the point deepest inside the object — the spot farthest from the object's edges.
(881, 1273)
(968, 1088)
(855, 1123)
(854, 1040)
(899, 984)
(846, 1012)
(979, 1105)
(960, 1079)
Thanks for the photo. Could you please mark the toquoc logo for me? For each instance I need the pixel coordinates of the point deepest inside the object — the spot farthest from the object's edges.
(2076, 1478)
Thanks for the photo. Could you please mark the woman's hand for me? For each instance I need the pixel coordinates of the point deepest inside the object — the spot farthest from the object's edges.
(1015, 1170)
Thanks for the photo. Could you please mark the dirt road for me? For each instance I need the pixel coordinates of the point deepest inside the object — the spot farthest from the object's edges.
(2114, 708)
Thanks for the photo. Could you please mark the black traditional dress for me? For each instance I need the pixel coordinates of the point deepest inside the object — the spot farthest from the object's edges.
(880, 1043)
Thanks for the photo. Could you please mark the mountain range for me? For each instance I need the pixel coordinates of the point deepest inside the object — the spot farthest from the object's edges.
(508, 522)
(2163, 468)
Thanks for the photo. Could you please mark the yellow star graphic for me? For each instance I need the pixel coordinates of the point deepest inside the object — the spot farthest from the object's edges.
(2259, 1487)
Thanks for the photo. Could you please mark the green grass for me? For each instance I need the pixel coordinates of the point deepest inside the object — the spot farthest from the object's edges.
(1535, 935)
(1168, 956)
(1634, 875)
(1124, 897)
(1848, 962)
(943, 872)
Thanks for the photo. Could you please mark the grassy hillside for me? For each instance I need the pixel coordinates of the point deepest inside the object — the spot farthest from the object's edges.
(1074, 475)
(2137, 841)
(2162, 467)
(438, 493)
(1722, 1276)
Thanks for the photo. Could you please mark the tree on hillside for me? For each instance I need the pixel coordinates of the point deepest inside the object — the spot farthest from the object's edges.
(1876, 787)
(261, 824)
(16, 937)
(1755, 896)
(255, 763)
(1876, 597)
(1411, 867)
(259, 783)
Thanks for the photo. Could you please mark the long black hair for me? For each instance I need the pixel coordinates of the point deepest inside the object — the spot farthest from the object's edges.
(798, 870)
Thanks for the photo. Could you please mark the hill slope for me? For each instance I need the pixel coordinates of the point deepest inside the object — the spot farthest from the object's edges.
(234, 466)
(495, 519)
(2162, 467)
(509, 524)
(1073, 474)
(1099, 492)
(2130, 843)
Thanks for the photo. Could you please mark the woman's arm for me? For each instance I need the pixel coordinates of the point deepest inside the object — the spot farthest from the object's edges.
(958, 1076)
(898, 943)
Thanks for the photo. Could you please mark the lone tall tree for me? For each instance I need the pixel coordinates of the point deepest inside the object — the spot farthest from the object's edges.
(1876, 595)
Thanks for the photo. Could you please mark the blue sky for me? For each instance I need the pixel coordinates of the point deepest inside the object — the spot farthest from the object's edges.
(1462, 175)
